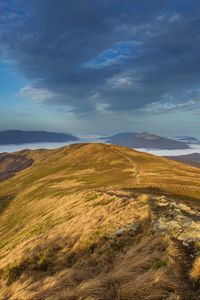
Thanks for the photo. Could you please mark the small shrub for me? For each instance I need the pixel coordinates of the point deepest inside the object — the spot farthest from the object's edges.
(103, 202)
(91, 197)
(197, 252)
(13, 272)
(105, 237)
(115, 247)
(43, 263)
(71, 259)
(161, 263)
(40, 261)
(92, 247)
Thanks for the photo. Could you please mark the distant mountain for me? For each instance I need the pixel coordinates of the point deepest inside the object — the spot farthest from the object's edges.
(145, 140)
(188, 139)
(17, 137)
(191, 159)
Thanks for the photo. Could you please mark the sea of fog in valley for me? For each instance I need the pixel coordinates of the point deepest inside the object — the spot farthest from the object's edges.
(44, 145)
(12, 148)
(194, 148)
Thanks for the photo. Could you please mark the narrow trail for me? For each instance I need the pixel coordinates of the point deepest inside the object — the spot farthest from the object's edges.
(131, 162)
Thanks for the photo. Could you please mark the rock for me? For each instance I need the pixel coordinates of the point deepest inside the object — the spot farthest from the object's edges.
(190, 235)
(184, 207)
(171, 227)
(162, 201)
(143, 198)
(174, 213)
(177, 220)
(119, 232)
(162, 198)
(133, 229)
(163, 204)
(174, 228)
(185, 244)
(184, 221)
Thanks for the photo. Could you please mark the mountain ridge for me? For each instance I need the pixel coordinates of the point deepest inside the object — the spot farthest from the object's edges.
(188, 139)
(145, 140)
(17, 137)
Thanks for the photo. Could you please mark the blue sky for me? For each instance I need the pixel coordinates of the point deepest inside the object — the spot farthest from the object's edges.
(100, 67)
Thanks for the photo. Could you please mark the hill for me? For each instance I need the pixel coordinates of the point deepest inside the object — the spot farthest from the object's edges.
(17, 137)
(188, 139)
(145, 140)
(191, 159)
(95, 221)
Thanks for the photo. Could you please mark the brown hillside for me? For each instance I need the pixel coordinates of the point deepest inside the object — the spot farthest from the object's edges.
(99, 222)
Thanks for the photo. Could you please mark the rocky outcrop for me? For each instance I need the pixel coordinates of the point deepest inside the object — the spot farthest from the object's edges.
(130, 229)
(176, 219)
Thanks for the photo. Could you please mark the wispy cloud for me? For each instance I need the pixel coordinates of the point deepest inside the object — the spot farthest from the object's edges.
(36, 94)
(170, 106)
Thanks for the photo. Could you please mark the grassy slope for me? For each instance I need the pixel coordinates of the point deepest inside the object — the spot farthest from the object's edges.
(58, 218)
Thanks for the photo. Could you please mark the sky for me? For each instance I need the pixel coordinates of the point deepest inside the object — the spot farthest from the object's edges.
(100, 67)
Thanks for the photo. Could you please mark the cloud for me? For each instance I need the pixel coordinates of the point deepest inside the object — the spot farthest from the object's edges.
(113, 55)
(169, 106)
(121, 82)
(174, 18)
(36, 94)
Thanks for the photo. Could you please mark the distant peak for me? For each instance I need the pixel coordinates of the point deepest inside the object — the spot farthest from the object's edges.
(147, 135)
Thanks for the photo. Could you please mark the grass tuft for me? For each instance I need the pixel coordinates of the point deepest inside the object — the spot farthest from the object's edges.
(161, 263)
(71, 259)
(13, 272)
(195, 272)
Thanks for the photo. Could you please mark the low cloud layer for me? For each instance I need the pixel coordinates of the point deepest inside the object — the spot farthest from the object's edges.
(108, 55)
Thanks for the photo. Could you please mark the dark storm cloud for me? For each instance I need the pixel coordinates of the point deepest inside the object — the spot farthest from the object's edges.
(111, 54)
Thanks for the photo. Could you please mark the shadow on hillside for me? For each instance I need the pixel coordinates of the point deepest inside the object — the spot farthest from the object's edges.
(13, 164)
(114, 267)
(5, 201)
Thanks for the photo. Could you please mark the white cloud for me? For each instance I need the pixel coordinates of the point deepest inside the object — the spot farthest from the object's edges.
(174, 18)
(121, 82)
(170, 105)
(101, 107)
(170, 18)
(35, 94)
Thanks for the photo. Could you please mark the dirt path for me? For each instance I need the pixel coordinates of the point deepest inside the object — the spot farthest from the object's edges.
(131, 162)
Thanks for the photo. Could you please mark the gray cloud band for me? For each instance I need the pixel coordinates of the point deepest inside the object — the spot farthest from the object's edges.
(105, 55)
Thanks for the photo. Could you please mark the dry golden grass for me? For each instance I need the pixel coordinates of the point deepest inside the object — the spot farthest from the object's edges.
(126, 272)
(195, 272)
(59, 219)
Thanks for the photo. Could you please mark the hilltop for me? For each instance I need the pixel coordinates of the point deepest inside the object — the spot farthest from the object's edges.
(96, 221)
(17, 137)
